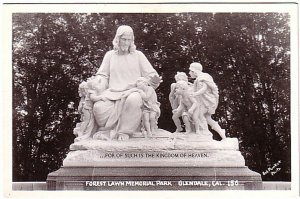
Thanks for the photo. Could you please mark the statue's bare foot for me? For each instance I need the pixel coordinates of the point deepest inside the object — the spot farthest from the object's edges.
(149, 134)
(101, 136)
(206, 132)
(112, 134)
(104, 137)
(178, 130)
(123, 137)
(145, 134)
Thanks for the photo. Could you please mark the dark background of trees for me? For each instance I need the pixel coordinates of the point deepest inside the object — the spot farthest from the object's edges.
(248, 55)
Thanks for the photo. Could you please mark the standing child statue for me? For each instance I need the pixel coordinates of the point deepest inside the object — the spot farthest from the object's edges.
(81, 92)
(150, 107)
(174, 101)
(188, 104)
(207, 94)
(87, 126)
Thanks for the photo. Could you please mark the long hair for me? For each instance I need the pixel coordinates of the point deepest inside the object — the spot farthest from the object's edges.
(120, 31)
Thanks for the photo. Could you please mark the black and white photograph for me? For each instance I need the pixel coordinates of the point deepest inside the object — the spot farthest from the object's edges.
(156, 97)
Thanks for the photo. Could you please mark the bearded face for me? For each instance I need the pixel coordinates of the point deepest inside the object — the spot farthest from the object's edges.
(125, 41)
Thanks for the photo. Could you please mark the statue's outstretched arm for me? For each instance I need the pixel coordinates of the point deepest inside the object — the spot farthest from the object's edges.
(96, 98)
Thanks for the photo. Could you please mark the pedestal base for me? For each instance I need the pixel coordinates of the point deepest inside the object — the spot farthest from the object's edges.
(154, 178)
(172, 162)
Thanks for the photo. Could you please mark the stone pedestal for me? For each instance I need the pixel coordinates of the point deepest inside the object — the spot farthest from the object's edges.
(154, 178)
(173, 162)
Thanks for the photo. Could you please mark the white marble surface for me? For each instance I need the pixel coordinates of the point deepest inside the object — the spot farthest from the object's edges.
(194, 143)
(164, 149)
(170, 158)
(138, 144)
(162, 140)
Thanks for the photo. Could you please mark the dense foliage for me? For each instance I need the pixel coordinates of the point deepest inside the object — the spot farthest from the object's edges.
(247, 55)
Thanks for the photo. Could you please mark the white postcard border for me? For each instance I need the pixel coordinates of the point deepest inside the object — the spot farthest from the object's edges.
(6, 90)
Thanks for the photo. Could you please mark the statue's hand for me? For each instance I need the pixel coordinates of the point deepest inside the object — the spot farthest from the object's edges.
(190, 111)
(175, 111)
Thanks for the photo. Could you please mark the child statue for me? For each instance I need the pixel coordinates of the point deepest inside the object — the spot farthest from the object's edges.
(82, 94)
(85, 108)
(174, 101)
(207, 95)
(188, 104)
(150, 108)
